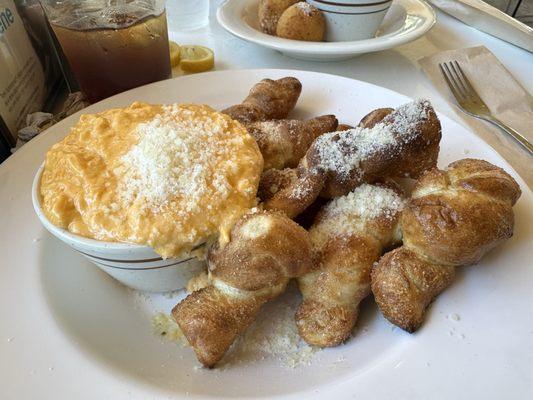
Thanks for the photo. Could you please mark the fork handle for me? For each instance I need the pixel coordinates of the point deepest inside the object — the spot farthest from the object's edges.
(517, 135)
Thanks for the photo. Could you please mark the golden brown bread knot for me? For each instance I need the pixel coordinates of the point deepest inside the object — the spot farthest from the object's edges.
(343, 127)
(374, 117)
(348, 236)
(269, 13)
(283, 142)
(453, 218)
(266, 250)
(370, 120)
(290, 190)
(404, 142)
(302, 21)
(404, 284)
(268, 99)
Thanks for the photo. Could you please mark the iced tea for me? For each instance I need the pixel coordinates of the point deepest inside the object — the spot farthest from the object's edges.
(115, 50)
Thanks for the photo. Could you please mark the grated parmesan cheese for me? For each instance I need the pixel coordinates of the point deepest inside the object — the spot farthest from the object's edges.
(366, 202)
(175, 157)
(274, 130)
(164, 326)
(347, 214)
(342, 152)
(306, 8)
(273, 335)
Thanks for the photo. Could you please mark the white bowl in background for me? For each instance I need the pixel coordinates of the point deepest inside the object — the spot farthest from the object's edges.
(136, 266)
(405, 21)
(348, 20)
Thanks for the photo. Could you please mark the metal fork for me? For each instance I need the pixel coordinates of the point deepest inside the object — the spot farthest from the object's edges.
(470, 103)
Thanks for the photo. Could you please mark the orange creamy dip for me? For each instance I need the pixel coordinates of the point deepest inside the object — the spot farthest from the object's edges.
(170, 177)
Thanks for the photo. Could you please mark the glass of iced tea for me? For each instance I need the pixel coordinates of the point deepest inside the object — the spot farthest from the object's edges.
(111, 45)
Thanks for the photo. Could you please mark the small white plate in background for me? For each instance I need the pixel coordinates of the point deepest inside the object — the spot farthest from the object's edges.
(405, 21)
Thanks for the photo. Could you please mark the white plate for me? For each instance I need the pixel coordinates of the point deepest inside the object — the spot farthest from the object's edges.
(71, 331)
(405, 21)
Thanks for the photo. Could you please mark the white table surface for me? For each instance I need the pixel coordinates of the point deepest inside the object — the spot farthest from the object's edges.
(394, 69)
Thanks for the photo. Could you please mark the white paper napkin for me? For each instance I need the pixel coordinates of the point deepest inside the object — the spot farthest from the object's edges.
(502, 93)
(488, 19)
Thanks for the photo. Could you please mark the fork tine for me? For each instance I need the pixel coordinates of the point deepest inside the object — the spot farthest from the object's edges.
(459, 79)
(445, 72)
(468, 86)
(455, 81)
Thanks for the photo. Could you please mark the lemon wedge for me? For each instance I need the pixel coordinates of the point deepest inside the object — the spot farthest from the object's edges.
(174, 53)
(196, 58)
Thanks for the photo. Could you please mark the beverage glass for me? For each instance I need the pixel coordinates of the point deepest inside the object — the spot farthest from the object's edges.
(111, 45)
(187, 14)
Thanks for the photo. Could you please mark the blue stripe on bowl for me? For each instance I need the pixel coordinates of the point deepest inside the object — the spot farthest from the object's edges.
(147, 260)
(331, 3)
(139, 269)
(352, 13)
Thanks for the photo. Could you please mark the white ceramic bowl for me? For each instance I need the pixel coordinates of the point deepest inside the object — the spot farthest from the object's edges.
(405, 21)
(348, 20)
(138, 267)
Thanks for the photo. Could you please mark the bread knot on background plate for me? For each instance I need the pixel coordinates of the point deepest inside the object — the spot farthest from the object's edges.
(453, 218)
(269, 13)
(291, 19)
(266, 249)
